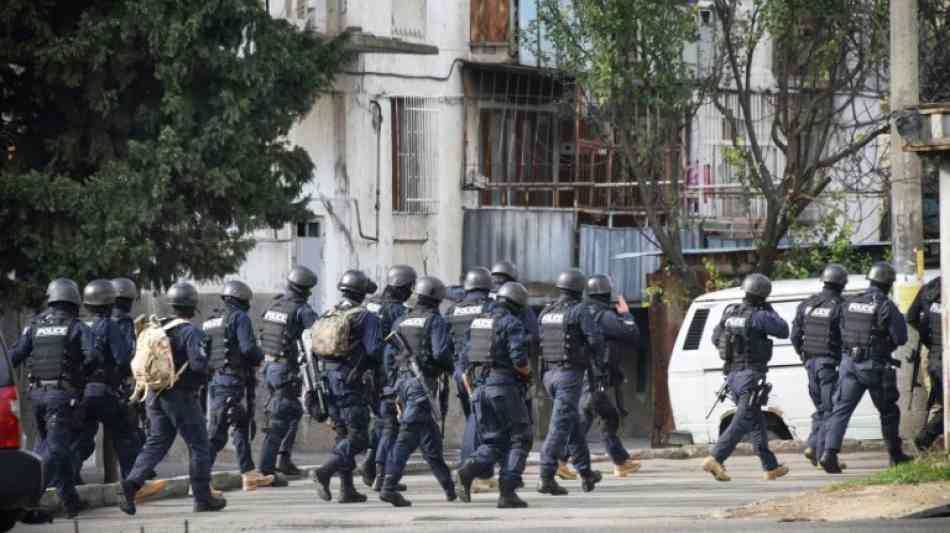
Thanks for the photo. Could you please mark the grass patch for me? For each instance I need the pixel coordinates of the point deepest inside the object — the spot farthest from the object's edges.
(929, 468)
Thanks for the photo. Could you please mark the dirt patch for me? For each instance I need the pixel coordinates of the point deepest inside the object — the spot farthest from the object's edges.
(880, 501)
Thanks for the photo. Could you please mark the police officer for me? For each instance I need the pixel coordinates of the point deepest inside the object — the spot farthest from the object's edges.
(57, 347)
(816, 337)
(621, 333)
(926, 314)
(422, 353)
(176, 410)
(389, 307)
(103, 400)
(871, 329)
(477, 302)
(742, 336)
(496, 365)
(570, 343)
(282, 325)
(233, 358)
(349, 401)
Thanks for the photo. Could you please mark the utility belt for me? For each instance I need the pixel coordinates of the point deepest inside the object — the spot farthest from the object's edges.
(269, 358)
(748, 365)
(806, 356)
(228, 370)
(53, 384)
(860, 354)
(564, 365)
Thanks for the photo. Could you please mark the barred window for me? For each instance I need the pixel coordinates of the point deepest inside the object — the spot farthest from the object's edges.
(415, 127)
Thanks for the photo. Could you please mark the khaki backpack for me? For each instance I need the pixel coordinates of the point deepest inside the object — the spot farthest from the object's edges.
(330, 335)
(153, 367)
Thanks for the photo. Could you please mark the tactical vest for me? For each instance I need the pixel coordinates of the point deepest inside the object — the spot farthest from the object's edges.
(105, 370)
(817, 327)
(276, 337)
(562, 340)
(379, 306)
(936, 329)
(50, 340)
(481, 343)
(740, 344)
(222, 350)
(414, 328)
(860, 316)
(460, 320)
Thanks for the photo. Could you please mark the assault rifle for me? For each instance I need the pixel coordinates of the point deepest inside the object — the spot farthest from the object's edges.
(914, 358)
(397, 340)
(316, 396)
(720, 397)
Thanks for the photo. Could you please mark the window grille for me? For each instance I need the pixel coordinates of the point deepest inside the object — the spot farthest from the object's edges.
(415, 128)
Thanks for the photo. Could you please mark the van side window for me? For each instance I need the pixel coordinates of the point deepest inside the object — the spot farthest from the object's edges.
(695, 332)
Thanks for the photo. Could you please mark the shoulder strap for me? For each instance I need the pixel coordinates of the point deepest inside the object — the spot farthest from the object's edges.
(174, 323)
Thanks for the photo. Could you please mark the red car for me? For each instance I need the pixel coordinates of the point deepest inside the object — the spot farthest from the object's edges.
(21, 472)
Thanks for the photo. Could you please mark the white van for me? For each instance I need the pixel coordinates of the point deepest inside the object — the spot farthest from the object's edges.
(696, 370)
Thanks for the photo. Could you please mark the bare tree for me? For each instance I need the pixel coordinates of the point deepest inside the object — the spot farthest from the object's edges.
(819, 104)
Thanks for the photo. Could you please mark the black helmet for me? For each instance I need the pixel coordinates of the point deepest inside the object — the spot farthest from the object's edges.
(401, 276)
(572, 280)
(514, 293)
(505, 268)
(63, 290)
(835, 274)
(882, 273)
(478, 278)
(599, 284)
(430, 287)
(182, 294)
(98, 292)
(355, 281)
(125, 288)
(757, 285)
(237, 290)
(302, 278)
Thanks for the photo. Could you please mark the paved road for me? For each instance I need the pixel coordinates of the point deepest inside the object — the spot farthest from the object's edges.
(665, 496)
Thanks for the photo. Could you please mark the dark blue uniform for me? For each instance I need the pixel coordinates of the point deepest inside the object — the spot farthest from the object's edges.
(820, 350)
(564, 382)
(418, 426)
(621, 335)
(103, 402)
(867, 367)
(472, 300)
(228, 386)
(282, 374)
(504, 423)
(348, 399)
(126, 325)
(178, 411)
(386, 427)
(925, 314)
(56, 402)
(744, 378)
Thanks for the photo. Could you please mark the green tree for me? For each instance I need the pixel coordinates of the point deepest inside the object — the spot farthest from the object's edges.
(639, 93)
(148, 137)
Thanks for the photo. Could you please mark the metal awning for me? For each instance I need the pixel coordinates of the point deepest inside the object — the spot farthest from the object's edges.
(363, 42)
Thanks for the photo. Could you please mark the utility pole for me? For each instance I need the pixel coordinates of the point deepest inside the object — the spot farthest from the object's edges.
(906, 204)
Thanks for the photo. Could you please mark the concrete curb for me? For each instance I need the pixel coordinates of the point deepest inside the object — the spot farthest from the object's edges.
(104, 495)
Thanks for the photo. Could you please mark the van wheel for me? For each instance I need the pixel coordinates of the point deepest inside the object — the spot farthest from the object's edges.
(9, 518)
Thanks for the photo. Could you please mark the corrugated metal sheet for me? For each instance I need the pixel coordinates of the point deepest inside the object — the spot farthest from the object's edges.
(599, 245)
(539, 241)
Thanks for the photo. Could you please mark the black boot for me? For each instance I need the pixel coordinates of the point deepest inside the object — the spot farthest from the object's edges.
(507, 499)
(463, 481)
(390, 495)
(590, 480)
(213, 503)
(321, 477)
(126, 491)
(829, 462)
(73, 511)
(279, 480)
(368, 469)
(286, 466)
(899, 457)
(449, 489)
(923, 442)
(549, 485)
(348, 492)
(378, 483)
